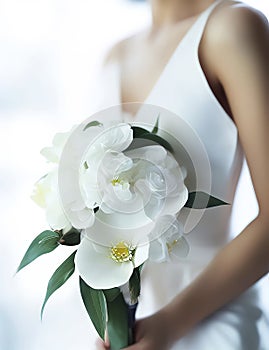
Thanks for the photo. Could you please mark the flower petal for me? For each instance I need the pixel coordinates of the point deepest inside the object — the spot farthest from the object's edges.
(53, 154)
(82, 219)
(157, 251)
(167, 241)
(180, 249)
(117, 138)
(98, 269)
(55, 215)
(109, 229)
(141, 254)
(41, 189)
(46, 195)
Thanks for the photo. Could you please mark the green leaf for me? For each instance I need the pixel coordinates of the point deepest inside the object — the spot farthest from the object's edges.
(70, 238)
(156, 126)
(138, 131)
(140, 267)
(117, 324)
(111, 294)
(44, 243)
(158, 139)
(201, 200)
(93, 123)
(141, 133)
(59, 277)
(95, 304)
(135, 285)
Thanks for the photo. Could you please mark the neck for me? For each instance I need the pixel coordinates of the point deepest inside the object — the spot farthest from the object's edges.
(171, 11)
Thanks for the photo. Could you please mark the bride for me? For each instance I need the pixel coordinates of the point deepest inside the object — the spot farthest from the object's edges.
(207, 61)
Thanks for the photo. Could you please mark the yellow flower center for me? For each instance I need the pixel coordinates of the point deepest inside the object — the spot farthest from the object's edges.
(116, 181)
(171, 245)
(122, 252)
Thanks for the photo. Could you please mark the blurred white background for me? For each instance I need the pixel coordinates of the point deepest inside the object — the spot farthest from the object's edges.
(50, 50)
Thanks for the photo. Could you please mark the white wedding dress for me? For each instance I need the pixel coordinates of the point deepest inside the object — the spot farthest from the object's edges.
(182, 88)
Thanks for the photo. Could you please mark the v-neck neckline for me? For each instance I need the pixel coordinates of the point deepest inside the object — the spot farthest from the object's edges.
(163, 71)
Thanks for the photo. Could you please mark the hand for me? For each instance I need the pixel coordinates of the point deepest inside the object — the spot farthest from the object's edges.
(151, 333)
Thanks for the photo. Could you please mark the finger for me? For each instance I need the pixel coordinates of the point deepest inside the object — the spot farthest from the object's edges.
(107, 344)
(101, 345)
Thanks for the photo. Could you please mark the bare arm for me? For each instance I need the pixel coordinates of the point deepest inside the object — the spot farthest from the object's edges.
(239, 50)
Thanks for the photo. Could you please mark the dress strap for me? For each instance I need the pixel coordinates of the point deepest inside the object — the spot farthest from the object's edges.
(197, 31)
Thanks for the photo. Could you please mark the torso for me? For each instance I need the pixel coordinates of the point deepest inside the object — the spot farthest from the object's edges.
(188, 102)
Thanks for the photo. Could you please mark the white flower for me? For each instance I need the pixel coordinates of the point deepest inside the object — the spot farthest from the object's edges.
(146, 180)
(80, 213)
(46, 195)
(82, 216)
(53, 154)
(132, 189)
(46, 190)
(167, 240)
(104, 267)
(116, 138)
(160, 181)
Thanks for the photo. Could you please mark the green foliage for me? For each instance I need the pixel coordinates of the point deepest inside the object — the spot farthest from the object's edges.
(59, 277)
(111, 294)
(138, 131)
(93, 123)
(135, 285)
(201, 200)
(70, 238)
(117, 324)
(157, 139)
(156, 126)
(44, 243)
(141, 133)
(95, 304)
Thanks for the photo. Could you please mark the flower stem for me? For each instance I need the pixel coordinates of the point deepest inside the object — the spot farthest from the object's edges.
(131, 323)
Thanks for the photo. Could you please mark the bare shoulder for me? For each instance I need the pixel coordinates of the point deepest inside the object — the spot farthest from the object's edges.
(236, 23)
(236, 37)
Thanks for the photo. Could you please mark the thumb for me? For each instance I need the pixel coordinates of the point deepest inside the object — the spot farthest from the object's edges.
(101, 345)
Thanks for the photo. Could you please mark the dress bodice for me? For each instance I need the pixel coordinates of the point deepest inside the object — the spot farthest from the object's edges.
(182, 88)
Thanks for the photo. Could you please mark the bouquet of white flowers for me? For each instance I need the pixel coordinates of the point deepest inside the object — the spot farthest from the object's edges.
(114, 190)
